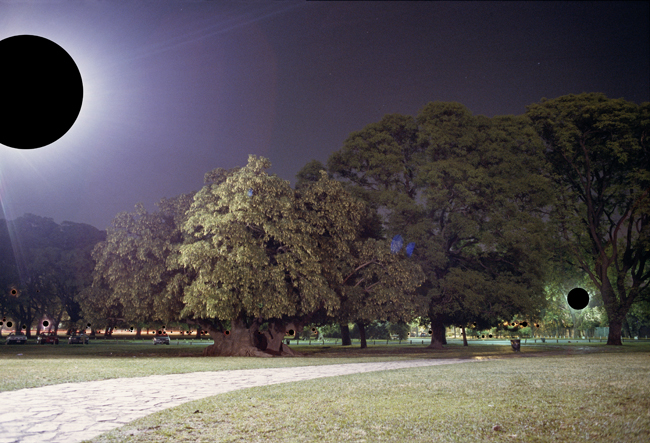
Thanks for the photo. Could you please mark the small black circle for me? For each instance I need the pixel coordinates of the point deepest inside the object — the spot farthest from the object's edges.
(88, 325)
(291, 332)
(1, 323)
(578, 298)
(46, 323)
(9, 324)
(524, 324)
(490, 335)
(41, 89)
(227, 332)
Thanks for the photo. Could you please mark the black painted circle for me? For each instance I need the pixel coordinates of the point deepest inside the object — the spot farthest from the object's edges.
(524, 324)
(291, 332)
(1, 323)
(578, 298)
(41, 90)
(9, 324)
(46, 323)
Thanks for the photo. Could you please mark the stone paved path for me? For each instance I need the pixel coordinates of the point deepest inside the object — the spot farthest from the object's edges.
(72, 412)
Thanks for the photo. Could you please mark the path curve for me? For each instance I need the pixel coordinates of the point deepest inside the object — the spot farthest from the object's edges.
(72, 412)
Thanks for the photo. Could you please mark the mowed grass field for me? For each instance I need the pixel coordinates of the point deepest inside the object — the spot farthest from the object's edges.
(31, 365)
(548, 393)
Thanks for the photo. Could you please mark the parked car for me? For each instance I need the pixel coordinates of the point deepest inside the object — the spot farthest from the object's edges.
(16, 338)
(79, 339)
(48, 338)
(161, 339)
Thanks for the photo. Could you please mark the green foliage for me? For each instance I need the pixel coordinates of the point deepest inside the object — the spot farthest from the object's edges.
(47, 265)
(309, 173)
(268, 255)
(469, 192)
(134, 276)
(380, 285)
(331, 331)
(382, 330)
(598, 152)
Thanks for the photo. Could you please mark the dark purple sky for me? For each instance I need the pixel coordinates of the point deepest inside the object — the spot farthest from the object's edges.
(174, 89)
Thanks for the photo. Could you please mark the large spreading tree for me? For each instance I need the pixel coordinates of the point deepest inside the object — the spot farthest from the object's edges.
(469, 191)
(133, 281)
(261, 255)
(248, 258)
(373, 282)
(44, 267)
(599, 153)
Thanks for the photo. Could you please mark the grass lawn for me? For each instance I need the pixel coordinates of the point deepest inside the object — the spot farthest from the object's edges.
(575, 397)
(556, 393)
(31, 365)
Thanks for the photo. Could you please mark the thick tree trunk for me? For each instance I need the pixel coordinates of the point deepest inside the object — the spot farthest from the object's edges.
(464, 336)
(437, 333)
(138, 332)
(615, 312)
(614, 337)
(345, 334)
(274, 337)
(242, 341)
(362, 335)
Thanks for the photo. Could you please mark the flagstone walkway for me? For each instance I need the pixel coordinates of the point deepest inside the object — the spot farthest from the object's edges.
(72, 412)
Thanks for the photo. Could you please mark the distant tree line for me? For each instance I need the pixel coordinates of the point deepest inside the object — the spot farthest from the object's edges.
(501, 216)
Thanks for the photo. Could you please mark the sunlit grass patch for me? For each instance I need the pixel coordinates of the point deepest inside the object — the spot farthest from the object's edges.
(598, 397)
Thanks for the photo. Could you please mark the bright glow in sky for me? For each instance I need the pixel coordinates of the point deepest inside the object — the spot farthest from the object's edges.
(174, 89)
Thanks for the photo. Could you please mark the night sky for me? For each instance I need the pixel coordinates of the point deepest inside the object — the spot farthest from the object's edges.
(175, 89)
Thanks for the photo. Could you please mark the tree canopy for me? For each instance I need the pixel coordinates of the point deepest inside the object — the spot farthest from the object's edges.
(44, 267)
(469, 192)
(599, 155)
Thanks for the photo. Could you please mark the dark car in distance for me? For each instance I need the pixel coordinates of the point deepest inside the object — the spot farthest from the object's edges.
(47, 338)
(17, 338)
(161, 339)
(79, 339)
